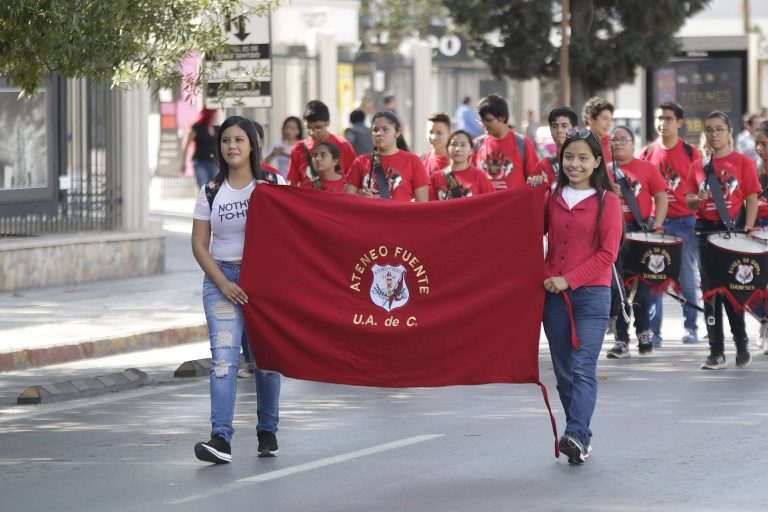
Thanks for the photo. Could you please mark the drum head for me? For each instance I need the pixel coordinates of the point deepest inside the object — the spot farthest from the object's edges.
(738, 242)
(652, 238)
(762, 235)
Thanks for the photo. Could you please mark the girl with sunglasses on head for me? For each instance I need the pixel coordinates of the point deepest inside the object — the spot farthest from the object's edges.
(584, 231)
(461, 179)
(645, 182)
(739, 186)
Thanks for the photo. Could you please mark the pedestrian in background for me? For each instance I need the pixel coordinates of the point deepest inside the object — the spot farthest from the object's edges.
(280, 151)
(358, 134)
(325, 158)
(202, 134)
(561, 120)
(584, 219)
(598, 117)
(466, 118)
(218, 235)
(745, 140)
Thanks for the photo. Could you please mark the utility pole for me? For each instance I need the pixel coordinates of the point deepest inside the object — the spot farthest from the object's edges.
(745, 15)
(565, 76)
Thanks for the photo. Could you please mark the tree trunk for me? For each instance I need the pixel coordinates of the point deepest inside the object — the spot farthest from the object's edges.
(582, 16)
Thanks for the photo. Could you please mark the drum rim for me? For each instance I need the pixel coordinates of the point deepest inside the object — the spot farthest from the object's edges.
(665, 240)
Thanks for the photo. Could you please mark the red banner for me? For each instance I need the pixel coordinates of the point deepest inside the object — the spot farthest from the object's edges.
(371, 292)
(378, 293)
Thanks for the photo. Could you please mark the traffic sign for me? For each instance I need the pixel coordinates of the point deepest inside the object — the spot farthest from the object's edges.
(243, 77)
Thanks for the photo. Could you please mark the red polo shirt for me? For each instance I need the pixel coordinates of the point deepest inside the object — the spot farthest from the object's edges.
(575, 253)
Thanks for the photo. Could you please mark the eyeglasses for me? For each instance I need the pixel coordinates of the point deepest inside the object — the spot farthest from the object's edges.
(620, 141)
(316, 128)
(487, 120)
(719, 131)
(666, 119)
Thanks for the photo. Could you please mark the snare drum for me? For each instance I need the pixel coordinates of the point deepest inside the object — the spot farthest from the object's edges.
(735, 264)
(652, 258)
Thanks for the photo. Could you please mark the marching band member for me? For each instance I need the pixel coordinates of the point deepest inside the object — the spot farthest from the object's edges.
(460, 179)
(639, 185)
(737, 184)
(388, 172)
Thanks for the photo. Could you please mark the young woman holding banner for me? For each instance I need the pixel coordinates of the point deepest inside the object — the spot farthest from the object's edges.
(218, 235)
(584, 228)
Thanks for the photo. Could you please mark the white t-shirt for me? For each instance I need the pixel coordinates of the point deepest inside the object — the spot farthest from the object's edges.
(572, 197)
(227, 219)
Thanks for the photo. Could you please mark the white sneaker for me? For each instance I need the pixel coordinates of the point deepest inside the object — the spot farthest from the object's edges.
(762, 338)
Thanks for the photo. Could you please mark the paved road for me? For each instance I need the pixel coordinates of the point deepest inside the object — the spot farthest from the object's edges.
(668, 437)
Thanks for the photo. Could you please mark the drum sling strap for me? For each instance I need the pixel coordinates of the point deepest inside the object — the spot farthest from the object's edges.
(378, 173)
(313, 173)
(717, 196)
(555, 165)
(454, 187)
(764, 185)
(628, 195)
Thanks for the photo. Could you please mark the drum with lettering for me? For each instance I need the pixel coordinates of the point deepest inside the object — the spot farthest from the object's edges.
(653, 259)
(735, 264)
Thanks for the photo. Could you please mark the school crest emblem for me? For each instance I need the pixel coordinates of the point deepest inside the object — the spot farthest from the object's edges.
(389, 289)
(656, 263)
(745, 273)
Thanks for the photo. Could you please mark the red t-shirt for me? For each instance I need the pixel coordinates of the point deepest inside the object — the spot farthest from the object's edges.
(473, 181)
(673, 164)
(545, 167)
(605, 144)
(645, 181)
(737, 174)
(434, 163)
(762, 202)
(298, 168)
(269, 168)
(403, 170)
(501, 160)
(328, 185)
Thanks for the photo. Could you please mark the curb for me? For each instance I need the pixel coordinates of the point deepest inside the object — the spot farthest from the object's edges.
(194, 368)
(81, 388)
(31, 358)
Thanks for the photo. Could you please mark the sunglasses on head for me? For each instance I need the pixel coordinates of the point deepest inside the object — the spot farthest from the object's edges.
(582, 134)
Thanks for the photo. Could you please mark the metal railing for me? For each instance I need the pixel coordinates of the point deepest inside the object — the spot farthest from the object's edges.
(89, 184)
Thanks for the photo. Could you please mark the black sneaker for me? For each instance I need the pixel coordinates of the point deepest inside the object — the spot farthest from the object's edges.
(743, 357)
(573, 447)
(217, 451)
(619, 351)
(645, 342)
(714, 362)
(267, 444)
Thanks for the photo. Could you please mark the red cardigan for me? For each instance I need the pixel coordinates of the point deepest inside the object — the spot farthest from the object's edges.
(574, 251)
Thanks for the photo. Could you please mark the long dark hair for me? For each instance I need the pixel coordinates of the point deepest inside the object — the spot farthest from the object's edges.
(250, 130)
(392, 118)
(599, 179)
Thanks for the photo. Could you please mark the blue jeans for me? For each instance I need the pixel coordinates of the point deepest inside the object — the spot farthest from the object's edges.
(205, 171)
(576, 370)
(682, 227)
(226, 329)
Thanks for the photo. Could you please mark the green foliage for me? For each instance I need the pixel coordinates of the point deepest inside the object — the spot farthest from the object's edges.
(384, 24)
(609, 38)
(117, 40)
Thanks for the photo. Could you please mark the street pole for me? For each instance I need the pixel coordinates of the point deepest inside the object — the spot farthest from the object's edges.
(565, 77)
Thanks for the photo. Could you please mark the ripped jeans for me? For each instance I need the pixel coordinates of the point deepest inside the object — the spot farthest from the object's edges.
(226, 330)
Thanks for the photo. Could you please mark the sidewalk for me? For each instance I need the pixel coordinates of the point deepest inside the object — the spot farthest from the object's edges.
(46, 326)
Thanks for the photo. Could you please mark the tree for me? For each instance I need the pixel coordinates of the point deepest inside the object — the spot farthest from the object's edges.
(118, 40)
(385, 24)
(608, 38)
